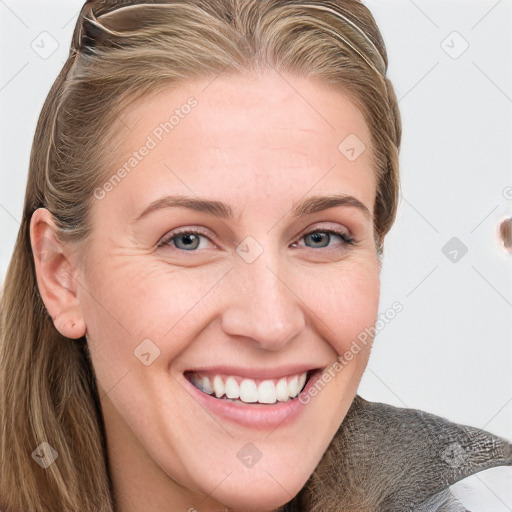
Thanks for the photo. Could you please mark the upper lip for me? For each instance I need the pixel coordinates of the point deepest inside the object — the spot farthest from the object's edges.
(256, 373)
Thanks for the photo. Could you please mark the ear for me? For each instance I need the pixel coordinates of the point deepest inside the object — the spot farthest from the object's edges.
(55, 274)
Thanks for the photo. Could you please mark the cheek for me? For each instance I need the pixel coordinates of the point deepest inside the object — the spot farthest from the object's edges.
(346, 302)
(135, 299)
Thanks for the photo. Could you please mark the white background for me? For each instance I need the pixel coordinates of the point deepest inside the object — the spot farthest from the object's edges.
(450, 351)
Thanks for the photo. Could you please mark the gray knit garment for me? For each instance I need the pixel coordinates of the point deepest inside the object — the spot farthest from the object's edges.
(389, 459)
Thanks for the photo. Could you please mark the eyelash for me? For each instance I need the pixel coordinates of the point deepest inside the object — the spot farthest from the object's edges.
(347, 239)
(168, 239)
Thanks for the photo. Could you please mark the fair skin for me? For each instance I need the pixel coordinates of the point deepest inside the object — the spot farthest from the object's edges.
(262, 145)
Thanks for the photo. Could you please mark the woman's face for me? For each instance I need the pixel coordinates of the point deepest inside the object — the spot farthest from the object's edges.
(201, 266)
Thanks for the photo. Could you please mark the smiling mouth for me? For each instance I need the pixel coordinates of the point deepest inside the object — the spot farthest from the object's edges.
(234, 388)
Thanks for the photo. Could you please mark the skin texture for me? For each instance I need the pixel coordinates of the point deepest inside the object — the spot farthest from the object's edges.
(262, 144)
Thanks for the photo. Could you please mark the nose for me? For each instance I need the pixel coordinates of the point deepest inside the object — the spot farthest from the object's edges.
(263, 306)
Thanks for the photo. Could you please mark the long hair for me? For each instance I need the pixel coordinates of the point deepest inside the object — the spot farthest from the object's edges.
(122, 51)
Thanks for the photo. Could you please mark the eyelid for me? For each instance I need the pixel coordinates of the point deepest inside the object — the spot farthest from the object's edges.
(328, 226)
(165, 240)
(327, 229)
(347, 238)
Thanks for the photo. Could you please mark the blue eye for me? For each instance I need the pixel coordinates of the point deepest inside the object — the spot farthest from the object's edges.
(185, 240)
(321, 238)
(192, 240)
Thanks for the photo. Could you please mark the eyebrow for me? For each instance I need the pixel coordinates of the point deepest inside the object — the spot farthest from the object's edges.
(225, 211)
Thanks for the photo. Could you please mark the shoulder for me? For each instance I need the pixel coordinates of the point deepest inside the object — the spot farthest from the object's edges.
(389, 458)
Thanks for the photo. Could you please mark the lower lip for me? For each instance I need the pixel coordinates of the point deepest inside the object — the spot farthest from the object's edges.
(254, 415)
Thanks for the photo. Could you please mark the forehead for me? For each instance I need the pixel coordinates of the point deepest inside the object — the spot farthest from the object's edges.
(266, 132)
(262, 103)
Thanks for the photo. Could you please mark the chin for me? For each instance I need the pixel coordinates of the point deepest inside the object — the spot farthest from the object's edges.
(266, 497)
(273, 481)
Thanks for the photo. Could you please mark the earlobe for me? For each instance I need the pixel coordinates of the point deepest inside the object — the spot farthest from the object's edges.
(55, 274)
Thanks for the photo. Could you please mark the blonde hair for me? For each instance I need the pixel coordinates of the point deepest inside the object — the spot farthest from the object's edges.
(121, 52)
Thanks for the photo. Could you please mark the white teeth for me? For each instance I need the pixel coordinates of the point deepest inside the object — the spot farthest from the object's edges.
(282, 390)
(232, 390)
(293, 387)
(218, 386)
(268, 391)
(206, 385)
(248, 391)
(302, 381)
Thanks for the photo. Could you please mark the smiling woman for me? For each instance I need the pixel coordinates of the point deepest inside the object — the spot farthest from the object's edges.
(193, 295)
